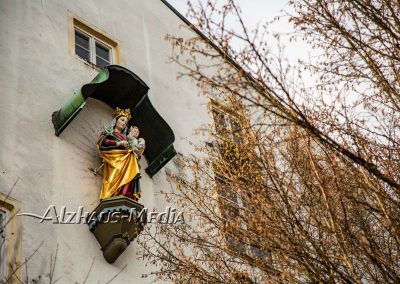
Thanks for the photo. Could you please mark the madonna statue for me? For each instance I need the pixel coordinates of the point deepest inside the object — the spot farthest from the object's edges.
(121, 170)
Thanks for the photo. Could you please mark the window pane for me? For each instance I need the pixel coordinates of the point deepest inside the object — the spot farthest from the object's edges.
(83, 53)
(229, 194)
(81, 40)
(220, 122)
(259, 253)
(236, 131)
(101, 63)
(228, 204)
(235, 244)
(102, 52)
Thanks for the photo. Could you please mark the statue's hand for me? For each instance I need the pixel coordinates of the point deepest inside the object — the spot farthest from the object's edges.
(123, 143)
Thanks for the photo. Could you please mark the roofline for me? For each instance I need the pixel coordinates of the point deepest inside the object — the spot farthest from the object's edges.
(186, 21)
(183, 18)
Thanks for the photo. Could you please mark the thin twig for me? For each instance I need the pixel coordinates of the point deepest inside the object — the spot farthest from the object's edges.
(90, 269)
(115, 276)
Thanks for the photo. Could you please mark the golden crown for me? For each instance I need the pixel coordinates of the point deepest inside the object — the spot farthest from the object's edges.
(125, 112)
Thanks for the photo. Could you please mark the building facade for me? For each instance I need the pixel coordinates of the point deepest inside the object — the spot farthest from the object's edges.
(49, 50)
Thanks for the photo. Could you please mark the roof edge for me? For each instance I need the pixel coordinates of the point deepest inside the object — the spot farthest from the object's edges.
(193, 27)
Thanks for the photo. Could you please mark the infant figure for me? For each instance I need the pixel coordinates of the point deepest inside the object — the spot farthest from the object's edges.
(137, 144)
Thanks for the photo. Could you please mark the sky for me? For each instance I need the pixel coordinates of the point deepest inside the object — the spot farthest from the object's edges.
(255, 11)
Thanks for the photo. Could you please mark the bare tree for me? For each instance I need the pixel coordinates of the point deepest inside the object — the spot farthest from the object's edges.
(301, 183)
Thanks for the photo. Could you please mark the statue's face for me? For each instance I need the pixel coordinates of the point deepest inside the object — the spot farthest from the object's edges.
(121, 123)
(134, 131)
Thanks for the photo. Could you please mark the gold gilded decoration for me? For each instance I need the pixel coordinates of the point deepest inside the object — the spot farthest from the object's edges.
(126, 236)
(125, 112)
(120, 167)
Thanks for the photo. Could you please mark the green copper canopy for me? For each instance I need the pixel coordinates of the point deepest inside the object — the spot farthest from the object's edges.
(119, 87)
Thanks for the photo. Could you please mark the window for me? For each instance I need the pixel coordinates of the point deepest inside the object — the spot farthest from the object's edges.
(92, 44)
(235, 205)
(230, 207)
(226, 125)
(229, 202)
(92, 50)
(230, 142)
(10, 240)
(234, 209)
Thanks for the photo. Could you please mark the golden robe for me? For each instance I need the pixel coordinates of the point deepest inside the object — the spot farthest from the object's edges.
(120, 168)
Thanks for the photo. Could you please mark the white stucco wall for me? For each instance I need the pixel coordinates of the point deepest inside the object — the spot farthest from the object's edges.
(38, 75)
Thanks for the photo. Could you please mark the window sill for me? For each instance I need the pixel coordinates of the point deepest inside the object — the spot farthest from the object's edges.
(87, 63)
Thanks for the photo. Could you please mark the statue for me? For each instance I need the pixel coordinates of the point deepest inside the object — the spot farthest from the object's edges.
(120, 151)
(137, 144)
